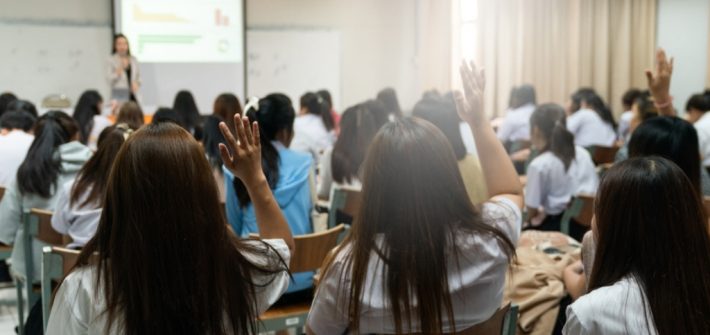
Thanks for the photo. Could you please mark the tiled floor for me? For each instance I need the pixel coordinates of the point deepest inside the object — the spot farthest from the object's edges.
(8, 311)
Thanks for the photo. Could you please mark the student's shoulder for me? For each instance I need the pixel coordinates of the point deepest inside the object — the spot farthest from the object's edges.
(542, 161)
(296, 157)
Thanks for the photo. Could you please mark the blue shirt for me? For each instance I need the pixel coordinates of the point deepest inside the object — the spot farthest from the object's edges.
(292, 193)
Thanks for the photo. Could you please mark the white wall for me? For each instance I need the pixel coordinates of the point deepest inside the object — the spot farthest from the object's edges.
(683, 31)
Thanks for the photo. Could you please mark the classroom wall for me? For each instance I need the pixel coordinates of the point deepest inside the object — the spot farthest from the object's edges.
(683, 30)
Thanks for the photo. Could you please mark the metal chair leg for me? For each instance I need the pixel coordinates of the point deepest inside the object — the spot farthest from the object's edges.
(20, 307)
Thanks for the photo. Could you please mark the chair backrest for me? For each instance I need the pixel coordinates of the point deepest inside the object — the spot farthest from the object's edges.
(41, 227)
(2, 192)
(603, 155)
(311, 249)
(56, 264)
(581, 210)
(344, 200)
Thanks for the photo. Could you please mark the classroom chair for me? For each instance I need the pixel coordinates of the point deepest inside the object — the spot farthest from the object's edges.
(603, 155)
(37, 225)
(581, 209)
(56, 264)
(311, 251)
(345, 202)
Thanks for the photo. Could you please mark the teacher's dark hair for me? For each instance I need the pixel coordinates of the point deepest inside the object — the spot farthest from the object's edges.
(113, 46)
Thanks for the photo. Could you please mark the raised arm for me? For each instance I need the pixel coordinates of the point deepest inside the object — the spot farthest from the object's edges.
(498, 171)
(659, 83)
(243, 159)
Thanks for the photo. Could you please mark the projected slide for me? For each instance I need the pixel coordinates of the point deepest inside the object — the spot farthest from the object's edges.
(179, 31)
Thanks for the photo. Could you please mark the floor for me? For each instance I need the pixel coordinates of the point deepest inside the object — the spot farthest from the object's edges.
(8, 311)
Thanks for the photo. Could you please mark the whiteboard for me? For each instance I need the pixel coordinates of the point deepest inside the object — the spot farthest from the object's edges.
(293, 62)
(43, 59)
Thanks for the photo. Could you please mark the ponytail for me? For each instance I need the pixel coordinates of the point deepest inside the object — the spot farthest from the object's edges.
(274, 113)
(317, 105)
(41, 167)
(550, 120)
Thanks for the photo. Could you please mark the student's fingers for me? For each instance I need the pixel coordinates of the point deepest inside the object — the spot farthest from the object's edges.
(247, 131)
(241, 133)
(460, 103)
(226, 156)
(649, 77)
(257, 134)
(466, 80)
(228, 136)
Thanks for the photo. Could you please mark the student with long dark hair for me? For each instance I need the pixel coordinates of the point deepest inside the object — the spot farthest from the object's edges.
(652, 241)
(184, 104)
(314, 128)
(288, 173)
(325, 94)
(54, 158)
(131, 114)
(86, 110)
(226, 106)
(590, 120)
(441, 111)
(516, 125)
(559, 172)
(420, 257)
(163, 260)
(388, 97)
(15, 139)
(78, 207)
(211, 138)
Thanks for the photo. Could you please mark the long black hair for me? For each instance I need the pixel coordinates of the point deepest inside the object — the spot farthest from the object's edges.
(550, 120)
(275, 114)
(317, 105)
(388, 96)
(211, 138)
(595, 102)
(86, 108)
(39, 171)
(184, 104)
(358, 127)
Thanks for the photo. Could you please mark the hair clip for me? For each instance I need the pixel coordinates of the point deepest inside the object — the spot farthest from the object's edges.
(127, 130)
(252, 102)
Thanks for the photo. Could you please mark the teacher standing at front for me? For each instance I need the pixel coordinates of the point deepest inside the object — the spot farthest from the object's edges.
(123, 73)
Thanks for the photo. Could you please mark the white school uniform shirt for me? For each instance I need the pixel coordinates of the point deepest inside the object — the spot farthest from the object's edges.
(13, 149)
(77, 309)
(310, 135)
(79, 222)
(702, 126)
(551, 187)
(615, 309)
(625, 124)
(476, 290)
(589, 129)
(516, 125)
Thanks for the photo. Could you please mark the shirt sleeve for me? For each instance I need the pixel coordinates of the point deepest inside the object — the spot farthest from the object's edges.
(329, 315)
(505, 129)
(534, 187)
(10, 214)
(70, 305)
(61, 218)
(234, 212)
(270, 287)
(573, 123)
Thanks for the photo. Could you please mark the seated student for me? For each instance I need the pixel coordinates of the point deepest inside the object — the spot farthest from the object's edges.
(185, 106)
(211, 138)
(314, 128)
(15, 140)
(627, 102)
(22, 105)
(78, 207)
(131, 114)
(421, 258)
(164, 114)
(5, 99)
(340, 166)
(696, 110)
(288, 174)
(589, 120)
(388, 98)
(642, 109)
(87, 114)
(441, 111)
(516, 125)
(55, 157)
(325, 94)
(651, 240)
(559, 172)
(163, 260)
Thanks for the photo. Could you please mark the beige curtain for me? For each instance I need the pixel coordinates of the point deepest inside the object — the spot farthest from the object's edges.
(561, 45)
(434, 34)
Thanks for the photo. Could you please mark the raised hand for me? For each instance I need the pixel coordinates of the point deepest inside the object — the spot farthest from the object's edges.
(242, 157)
(659, 80)
(470, 106)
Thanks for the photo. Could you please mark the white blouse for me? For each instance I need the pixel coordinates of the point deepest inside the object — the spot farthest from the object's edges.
(615, 309)
(475, 282)
(516, 125)
(589, 129)
(78, 309)
(310, 136)
(79, 222)
(550, 187)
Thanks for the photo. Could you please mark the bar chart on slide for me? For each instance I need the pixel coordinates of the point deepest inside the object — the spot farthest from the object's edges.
(184, 31)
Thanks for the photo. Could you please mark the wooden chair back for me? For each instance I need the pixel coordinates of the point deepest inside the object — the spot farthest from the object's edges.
(603, 155)
(581, 210)
(346, 201)
(56, 264)
(2, 192)
(311, 249)
(43, 230)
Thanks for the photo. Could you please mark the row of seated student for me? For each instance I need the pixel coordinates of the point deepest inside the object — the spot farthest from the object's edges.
(419, 250)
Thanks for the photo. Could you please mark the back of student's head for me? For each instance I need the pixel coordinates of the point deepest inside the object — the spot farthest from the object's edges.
(388, 96)
(548, 121)
(22, 105)
(164, 114)
(315, 104)
(39, 171)
(211, 138)
(672, 138)
(651, 226)
(131, 114)
(416, 219)
(358, 127)
(629, 97)
(226, 106)
(86, 108)
(162, 223)
(184, 104)
(17, 120)
(523, 95)
(379, 111)
(90, 184)
(441, 112)
(698, 103)
(5, 99)
(275, 115)
(325, 94)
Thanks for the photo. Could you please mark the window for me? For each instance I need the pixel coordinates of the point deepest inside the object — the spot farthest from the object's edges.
(465, 21)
